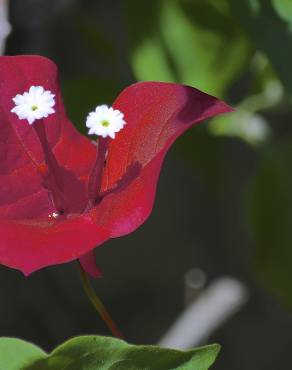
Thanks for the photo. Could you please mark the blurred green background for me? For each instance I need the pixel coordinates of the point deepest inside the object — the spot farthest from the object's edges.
(225, 195)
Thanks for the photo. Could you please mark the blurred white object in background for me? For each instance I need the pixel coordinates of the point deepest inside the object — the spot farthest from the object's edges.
(210, 310)
(195, 282)
(5, 27)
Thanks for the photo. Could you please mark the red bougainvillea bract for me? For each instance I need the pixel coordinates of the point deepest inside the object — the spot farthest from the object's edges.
(62, 194)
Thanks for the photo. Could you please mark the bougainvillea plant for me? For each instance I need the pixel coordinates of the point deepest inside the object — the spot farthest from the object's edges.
(63, 194)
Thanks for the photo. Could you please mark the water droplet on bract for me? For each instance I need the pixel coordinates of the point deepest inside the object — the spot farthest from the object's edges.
(54, 215)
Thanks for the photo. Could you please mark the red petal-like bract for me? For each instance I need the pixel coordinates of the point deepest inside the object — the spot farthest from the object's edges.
(30, 238)
(88, 264)
(156, 114)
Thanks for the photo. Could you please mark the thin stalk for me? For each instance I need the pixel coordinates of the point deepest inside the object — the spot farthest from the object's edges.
(98, 305)
(95, 180)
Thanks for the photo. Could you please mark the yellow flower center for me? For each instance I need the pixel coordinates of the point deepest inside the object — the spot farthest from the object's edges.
(105, 123)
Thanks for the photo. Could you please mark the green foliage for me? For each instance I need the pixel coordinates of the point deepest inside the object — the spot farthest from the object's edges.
(268, 24)
(102, 353)
(270, 205)
(249, 126)
(284, 9)
(15, 354)
(196, 43)
(200, 43)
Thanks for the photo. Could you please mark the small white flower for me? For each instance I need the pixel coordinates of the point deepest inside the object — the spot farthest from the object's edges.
(105, 121)
(37, 103)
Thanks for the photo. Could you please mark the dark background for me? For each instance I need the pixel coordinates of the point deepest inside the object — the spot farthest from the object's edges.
(224, 197)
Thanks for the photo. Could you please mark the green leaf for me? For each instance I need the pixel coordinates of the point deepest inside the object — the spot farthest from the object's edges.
(192, 42)
(269, 25)
(284, 9)
(270, 205)
(204, 42)
(16, 354)
(105, 353)
(150, 62)
(242, 123)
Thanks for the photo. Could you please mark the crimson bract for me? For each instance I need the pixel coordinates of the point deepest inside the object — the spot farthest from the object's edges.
(61, 194)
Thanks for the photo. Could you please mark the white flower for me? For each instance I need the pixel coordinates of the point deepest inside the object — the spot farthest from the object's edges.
(105, 121)
(37, 103)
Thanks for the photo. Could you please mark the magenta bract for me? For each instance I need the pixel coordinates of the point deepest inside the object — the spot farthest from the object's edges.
(98, 191)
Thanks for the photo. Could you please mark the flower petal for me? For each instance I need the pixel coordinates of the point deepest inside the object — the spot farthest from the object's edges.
(30, 247)
(88, 263)
(21, 154)
(29, 239)
(156, 114)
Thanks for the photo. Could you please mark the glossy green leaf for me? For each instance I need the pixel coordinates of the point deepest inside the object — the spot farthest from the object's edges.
(268, 24)
(16, 354)
(270, 205)
(105, 353)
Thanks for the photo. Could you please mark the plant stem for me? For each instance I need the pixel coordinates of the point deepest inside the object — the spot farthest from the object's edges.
(98, 305)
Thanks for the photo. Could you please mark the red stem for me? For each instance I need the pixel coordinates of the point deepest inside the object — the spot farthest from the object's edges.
(94, 184)
(51, 173)
(100, 308)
